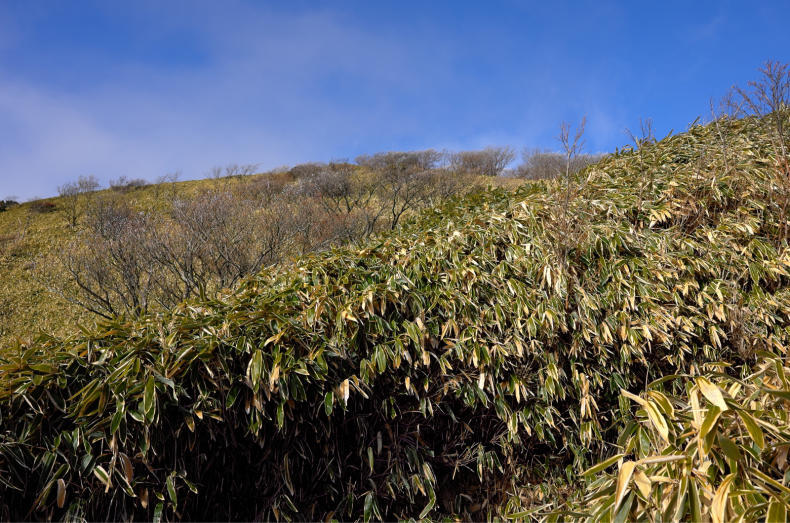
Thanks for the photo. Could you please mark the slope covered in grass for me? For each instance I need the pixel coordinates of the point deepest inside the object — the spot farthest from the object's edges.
(31, 233)
(435, 370)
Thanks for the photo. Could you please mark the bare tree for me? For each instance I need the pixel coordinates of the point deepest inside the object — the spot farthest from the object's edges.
(412, 160)
(74, 196)
(405, 188)
(769, 99)
(108, 264)
(490, 161)
(265, 188)
(439, 184)
(404, 180)
(307, 170)
(643, 138)
(348, 196)
(169, 181)
(227, 238)
(125, 260)
(233, 170)
(572, 145)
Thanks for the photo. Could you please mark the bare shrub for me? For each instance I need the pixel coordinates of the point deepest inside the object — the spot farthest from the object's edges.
(167, 181)
(542, 164)
(234, 237)
(109, 264)
(407, 181)
(233, 170)
(307, 170)
(441, 184)
(74, 197)
(126, 260)
(411, 160)
(265, 188)
(769, 99)
(405, 188)
(348, 197)
(490, 161)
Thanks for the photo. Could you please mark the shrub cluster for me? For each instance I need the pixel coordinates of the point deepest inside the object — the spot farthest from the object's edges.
(212, 240)
(544, 165)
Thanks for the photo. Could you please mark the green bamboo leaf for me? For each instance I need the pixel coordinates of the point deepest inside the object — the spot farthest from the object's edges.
(621, 516)
(367, 513)
(729, 448)
(117, 418)
(171, 490)
(149, 399)
(776, 511)
(329, 399)
(755, 432)
(232, 395)
(158, 513)
(431, 500)
(102, 474)
(280, 415)
(595, 469)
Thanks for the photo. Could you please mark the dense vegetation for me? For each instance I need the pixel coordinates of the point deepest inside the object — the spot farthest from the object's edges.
(450, 366)
(164, 242)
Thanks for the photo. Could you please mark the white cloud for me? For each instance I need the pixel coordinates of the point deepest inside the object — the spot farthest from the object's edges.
(265, 95)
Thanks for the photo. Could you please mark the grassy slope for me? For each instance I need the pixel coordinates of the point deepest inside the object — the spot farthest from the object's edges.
(462, 343)
(27, 237)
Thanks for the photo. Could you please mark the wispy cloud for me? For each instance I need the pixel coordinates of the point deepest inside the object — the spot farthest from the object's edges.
(270, 92)
(155, 87)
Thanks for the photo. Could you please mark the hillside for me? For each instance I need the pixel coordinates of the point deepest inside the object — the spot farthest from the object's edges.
(459, 365)
(37, 294)
(30, 233)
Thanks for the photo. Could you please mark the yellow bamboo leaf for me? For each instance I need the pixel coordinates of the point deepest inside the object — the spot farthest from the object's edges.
(643, 483)
(61, 493)
(711, 392)
(623, 479)
(126, 464)
(344, 390)
(274, 376)
(657, 420)
(662, 459)
(634, 397)
(718, 508)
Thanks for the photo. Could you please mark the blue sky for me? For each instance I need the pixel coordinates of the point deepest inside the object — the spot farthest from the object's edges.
(140, 89)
